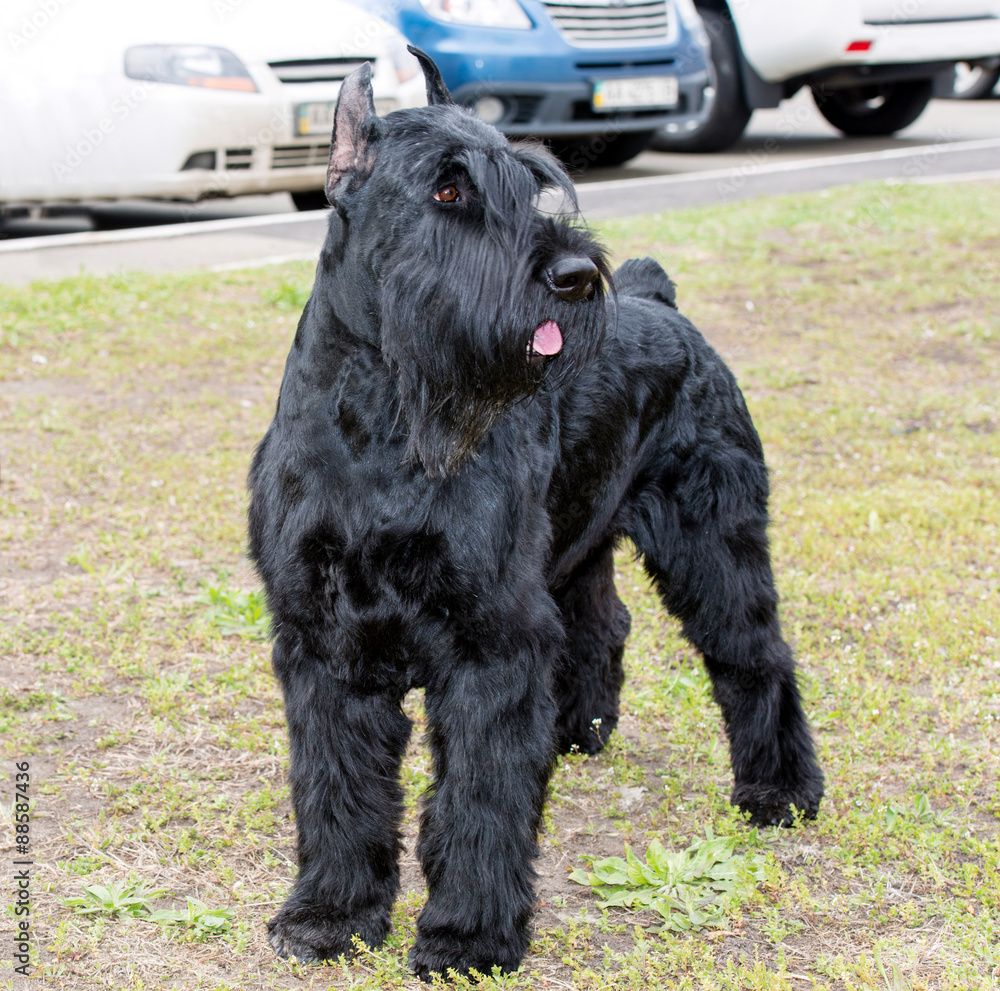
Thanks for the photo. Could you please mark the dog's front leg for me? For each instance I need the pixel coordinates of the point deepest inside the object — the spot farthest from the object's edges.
(346, 747)
(491, 732)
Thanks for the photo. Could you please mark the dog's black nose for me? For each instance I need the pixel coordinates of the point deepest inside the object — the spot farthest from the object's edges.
(572, 278)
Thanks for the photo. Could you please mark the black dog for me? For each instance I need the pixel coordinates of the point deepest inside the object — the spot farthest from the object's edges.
(470, 419)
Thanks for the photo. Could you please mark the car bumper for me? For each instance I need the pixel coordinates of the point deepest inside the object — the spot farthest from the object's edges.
(807, 46)
(561, 110)
(237, 175)
(948, 41)
(189, 186)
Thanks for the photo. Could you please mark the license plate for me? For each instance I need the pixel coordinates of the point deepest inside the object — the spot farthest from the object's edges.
(636, 94)
(317, 117)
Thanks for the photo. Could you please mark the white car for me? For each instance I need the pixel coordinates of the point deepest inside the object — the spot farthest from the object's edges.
(186, 99)
(872, 65)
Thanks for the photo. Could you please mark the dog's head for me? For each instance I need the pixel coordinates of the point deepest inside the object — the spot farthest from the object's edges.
(478, 297)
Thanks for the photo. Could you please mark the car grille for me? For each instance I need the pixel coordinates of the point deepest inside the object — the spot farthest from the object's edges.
(600, 21)
(299, 156)
(317, 70)
(239, 158)
(524, 109)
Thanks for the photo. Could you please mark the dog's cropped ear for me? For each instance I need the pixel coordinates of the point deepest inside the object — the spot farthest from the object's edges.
(355, 132)
(437, 92)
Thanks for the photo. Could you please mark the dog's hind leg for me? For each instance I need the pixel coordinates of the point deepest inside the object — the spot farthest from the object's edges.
(490, 722)
(701, 526)
(346, 748)
(589, 676)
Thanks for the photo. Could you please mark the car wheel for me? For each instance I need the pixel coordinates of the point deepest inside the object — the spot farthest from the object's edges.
(874, 110)
(311, 199)
(975, 80)
(599, 150)
(724, 114)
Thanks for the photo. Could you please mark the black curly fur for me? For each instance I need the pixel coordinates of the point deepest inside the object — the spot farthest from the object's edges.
(432, 509)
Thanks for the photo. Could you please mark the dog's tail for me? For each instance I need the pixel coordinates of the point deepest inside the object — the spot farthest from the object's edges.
(643, 277)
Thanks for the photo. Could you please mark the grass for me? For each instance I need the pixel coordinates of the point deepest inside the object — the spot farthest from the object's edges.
(863, 326)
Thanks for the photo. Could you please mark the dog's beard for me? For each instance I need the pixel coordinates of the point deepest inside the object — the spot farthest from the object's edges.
(461, 358)
(445, 432)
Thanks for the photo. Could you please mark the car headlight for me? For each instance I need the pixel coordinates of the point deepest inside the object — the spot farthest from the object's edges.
(188, 65)
(483, 13)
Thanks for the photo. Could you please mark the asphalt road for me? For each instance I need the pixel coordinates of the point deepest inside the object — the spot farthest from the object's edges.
(786, 149)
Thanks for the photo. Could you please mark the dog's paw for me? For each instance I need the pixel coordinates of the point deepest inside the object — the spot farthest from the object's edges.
(768, 805)
(439, 954)
(312, 933)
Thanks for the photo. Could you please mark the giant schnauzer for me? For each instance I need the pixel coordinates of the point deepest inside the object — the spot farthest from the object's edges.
(473, 414)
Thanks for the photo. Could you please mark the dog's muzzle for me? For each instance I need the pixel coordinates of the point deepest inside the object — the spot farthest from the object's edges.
(572, 279)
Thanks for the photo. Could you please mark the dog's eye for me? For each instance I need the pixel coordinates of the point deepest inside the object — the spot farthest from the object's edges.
(448, 194)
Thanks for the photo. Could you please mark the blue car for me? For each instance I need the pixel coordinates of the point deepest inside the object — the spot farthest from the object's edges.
(594, 78)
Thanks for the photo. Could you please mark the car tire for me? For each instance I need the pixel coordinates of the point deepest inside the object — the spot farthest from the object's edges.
(311, 199)
(599, 151)
(874, 110)
(975, 80)
(725, 115)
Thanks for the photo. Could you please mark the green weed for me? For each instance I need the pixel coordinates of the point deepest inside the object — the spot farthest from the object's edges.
(693, 889)
(113, 901)
(198, 921)
(290, 296)
(234, 612)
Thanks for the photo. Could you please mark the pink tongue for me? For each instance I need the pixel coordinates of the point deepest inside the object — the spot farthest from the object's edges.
(547, 339)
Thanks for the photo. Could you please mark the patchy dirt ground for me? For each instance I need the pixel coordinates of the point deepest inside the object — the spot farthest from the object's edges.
(863, 328)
